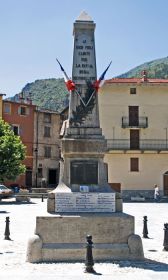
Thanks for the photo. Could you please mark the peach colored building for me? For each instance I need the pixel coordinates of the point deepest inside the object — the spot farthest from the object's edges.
(20, 115)
(134, 119)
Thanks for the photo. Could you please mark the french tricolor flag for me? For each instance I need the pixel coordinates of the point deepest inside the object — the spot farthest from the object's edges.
(69, 83)
(97, 84)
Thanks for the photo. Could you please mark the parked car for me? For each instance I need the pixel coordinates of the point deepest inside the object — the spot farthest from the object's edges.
(15, 187)
(5, 192)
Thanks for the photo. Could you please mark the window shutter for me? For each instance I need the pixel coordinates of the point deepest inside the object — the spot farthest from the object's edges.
(27, 110)
(134, 164)
(19, 110)
(20, 131)
(7, 108)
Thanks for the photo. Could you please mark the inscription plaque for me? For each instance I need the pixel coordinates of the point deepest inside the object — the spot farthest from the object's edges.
(84, 64)
(85, 202)
(84, 172)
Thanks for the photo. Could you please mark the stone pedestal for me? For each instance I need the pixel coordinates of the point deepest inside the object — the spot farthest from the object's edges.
(63, 237)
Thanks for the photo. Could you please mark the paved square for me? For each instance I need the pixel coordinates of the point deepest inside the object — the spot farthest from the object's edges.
(22, 225)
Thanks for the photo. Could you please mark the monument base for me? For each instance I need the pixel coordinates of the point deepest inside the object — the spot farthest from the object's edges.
(63, 238)
(62, 188)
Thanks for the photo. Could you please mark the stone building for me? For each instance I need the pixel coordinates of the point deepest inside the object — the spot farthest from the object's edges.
(134, 119)
(46, 148)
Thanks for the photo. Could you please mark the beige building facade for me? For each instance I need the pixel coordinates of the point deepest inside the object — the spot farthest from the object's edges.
(134, 119)
(46, 148)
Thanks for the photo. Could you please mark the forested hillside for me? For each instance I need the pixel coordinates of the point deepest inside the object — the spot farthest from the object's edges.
(156, 69)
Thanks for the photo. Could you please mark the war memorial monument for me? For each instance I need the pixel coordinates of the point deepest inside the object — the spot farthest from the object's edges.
(84, 203)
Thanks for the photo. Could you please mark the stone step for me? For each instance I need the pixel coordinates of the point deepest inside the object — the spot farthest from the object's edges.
(77, 252)
(163, 199)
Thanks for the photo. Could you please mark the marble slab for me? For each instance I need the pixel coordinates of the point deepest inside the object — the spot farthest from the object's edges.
(85, 202)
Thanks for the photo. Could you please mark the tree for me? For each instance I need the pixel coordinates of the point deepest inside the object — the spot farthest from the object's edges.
(12, 153)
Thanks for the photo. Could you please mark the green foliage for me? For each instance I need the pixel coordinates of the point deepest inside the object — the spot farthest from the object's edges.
(12, 153)
(155, 69)
(48, 93)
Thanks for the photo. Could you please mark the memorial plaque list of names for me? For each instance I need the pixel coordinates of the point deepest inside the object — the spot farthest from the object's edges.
(85, 202)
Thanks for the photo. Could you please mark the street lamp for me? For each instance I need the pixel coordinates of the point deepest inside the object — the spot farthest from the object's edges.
(36, 165)
(36, 147)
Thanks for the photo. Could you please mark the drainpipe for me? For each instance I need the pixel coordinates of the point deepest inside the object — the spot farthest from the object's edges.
(166, 137)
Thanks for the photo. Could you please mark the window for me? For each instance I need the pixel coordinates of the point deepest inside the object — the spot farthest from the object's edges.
(7, 108)
(15, 129)
(40, 172)
(134, 164)
(132, 90)
(23, 110)
(47, 118)
(47, 152)
(47, 130)
(133, 115)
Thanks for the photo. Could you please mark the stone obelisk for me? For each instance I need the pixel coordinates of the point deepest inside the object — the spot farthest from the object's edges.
(83, 145)
(83, 203)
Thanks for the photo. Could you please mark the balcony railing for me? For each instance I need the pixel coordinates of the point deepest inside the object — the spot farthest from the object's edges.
(141, 122)
(143, 144)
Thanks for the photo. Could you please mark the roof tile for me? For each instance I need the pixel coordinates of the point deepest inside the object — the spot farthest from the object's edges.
(136, 81)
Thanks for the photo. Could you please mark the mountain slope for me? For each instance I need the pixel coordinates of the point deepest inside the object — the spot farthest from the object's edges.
(155, 69)
(47, 93)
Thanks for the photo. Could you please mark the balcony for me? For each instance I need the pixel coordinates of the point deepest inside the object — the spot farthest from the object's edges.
(143, 144)
(141, 122)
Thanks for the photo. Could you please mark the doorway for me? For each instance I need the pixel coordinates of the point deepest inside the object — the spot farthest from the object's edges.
(52, 177)
(134, 116)
(165, 183)
(134, 139)
(28, 177)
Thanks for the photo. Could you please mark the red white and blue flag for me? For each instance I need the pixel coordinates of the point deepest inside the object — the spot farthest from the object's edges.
(97, 84)
(69, 83)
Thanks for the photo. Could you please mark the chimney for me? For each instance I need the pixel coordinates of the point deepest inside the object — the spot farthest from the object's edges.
(29, 99)
(144, 76)
(21, 97)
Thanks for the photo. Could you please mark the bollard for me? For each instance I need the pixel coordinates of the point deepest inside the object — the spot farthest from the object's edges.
(145, 228)
(7, 231)
(165, 242)
(42, 198)
(89, 263)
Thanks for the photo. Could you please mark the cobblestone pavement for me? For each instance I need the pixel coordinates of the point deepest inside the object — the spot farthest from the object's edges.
(22, 224)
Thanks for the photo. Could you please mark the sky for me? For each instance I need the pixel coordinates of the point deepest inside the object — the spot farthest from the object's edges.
(33, 33)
